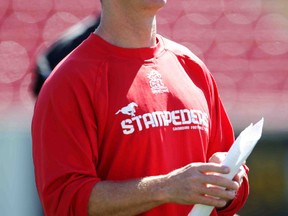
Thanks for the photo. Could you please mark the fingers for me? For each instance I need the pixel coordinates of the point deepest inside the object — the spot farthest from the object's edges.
(201, 183)
(240, 175)
(222, 182)
(214, 196)
(213, 168)
(220, 192)
(210, 201)
(218, 157)
(210, 175)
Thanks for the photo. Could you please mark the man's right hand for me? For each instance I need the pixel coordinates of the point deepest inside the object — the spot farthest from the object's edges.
(198, 183)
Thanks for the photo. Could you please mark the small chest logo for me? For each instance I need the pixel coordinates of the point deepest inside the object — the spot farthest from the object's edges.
(128, 110)
(156, 83)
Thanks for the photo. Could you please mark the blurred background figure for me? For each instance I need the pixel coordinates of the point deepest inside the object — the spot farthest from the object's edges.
(244, 43)
(17, 186)
(48, 59)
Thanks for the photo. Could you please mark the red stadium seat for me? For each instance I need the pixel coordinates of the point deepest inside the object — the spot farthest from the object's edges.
(244, 44)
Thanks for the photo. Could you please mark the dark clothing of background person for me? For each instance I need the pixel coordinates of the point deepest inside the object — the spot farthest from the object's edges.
(71, 38)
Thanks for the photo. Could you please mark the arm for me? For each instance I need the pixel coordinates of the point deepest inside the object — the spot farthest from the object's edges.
(221, 133)
(183, 186)
(240, 176)
(221, 141)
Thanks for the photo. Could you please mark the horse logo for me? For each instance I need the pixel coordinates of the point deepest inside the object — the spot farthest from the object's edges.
(128, 110)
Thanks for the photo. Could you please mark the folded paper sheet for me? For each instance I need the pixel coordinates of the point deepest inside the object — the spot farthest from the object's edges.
(236, 156)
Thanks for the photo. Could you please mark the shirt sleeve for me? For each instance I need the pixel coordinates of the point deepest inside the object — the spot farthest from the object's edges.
(240, 199)
(221, 139)
(221, 133)
(64, 136)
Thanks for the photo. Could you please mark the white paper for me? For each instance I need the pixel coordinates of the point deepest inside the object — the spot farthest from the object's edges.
(236, 156)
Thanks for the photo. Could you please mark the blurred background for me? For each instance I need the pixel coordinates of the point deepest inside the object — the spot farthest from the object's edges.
(244, 43)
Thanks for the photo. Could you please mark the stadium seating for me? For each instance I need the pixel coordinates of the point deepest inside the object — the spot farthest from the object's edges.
(244, 44)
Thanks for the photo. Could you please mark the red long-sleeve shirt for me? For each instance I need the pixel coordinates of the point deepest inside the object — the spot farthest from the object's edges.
(111, 113)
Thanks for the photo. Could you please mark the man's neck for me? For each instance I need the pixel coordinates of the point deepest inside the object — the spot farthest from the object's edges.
(130, 30)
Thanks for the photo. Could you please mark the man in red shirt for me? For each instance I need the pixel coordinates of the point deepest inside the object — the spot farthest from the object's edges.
(131, 123)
